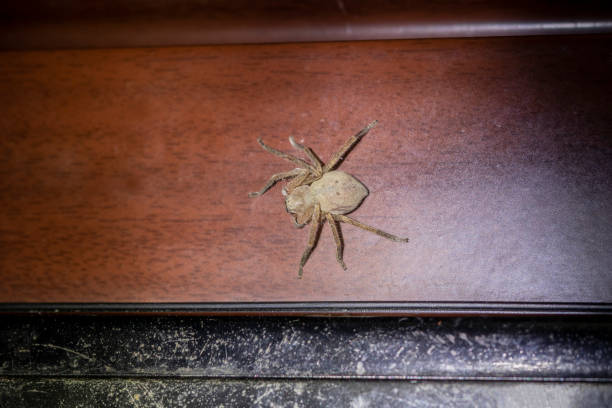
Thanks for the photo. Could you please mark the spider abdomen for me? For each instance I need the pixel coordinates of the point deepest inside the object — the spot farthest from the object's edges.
(338, 192)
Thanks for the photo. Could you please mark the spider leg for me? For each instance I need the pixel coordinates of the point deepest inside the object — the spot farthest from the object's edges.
(312, 239)
(301, 163)
(339, 155)
(313, 157)
(296, 182)
(348, 220)
(276, 177)
(336, 232)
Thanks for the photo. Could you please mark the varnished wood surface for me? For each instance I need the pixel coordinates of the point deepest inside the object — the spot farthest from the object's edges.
(48, 24)
(124, 173)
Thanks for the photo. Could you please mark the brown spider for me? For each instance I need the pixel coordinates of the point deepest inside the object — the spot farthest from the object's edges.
(317, 193)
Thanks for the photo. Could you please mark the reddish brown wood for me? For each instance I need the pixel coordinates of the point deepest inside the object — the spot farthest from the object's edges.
(124, 173)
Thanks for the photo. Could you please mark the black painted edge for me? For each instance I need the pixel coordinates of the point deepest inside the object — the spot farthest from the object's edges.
(310, 378)
(319, 308)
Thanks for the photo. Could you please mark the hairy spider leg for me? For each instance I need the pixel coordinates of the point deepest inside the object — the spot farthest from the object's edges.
(277, 177)
(312, 239)
(301, 163)
(313, 157)
(296, 182)
(352, 221)
(336, 232)
(339, 155)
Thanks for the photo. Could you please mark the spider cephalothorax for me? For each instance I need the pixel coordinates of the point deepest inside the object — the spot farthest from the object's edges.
(316, 192)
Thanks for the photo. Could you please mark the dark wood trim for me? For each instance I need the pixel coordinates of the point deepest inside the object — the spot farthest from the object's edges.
(317, 308)
(119, 23)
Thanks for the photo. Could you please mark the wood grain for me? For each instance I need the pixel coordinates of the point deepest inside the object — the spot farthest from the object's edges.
(124, 173)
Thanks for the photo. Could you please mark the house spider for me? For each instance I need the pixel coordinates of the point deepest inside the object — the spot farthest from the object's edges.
(316, 192)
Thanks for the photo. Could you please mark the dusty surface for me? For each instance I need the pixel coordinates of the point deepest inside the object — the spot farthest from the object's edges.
(122, 361)
(293, 348)
(101, 393)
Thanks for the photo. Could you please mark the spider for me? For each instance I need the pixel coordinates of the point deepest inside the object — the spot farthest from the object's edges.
(316, 192)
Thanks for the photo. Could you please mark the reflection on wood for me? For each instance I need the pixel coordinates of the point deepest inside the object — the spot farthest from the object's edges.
(124, 173)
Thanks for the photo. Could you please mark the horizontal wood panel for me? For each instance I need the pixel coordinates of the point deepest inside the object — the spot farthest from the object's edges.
(44, 24)
(124, 173)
